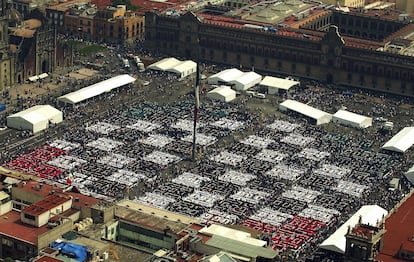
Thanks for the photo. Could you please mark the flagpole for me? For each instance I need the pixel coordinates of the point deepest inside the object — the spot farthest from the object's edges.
(196, 109)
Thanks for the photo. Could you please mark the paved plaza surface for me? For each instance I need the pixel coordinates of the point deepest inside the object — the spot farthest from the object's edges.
(254, 166)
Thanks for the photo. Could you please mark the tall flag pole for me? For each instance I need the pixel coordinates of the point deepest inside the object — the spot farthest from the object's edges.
(69, 178)
(196, 109)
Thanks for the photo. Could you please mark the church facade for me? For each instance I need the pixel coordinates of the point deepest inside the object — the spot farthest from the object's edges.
(28, 47)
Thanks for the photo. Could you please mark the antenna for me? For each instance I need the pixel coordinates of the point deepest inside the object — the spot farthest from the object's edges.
(196, 108)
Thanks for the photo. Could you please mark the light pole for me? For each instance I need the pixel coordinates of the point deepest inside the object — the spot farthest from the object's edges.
(196, 109)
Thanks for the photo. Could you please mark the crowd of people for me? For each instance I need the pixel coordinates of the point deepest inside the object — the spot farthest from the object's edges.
(291, 181)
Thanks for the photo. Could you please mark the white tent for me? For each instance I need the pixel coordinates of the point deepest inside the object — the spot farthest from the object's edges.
(402, 141)
(96, 89)
(275, 84)
(225, 76)
(43, 75)
(351, 119)
(222, 93)
(184, 68)
(410, 175)
(164, 64)
(246, 81)
(173, 65)
(38, 77)
(35, 119)
(369, 214)
(319, 116)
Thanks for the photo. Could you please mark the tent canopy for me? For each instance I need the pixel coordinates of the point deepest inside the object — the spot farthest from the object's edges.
(225, 76)
(410, 175)
(352, 119)
(173, 65)
(278, 83)
(222, 93)
(36, 118)
(184, 68)
(247, 80)
(96, 89)
(402, 141)
(370, 214)
(165, 64)
(38, 77)
(320, 116)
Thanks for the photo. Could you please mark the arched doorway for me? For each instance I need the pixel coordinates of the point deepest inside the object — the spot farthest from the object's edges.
(329, 78)
(44, 66)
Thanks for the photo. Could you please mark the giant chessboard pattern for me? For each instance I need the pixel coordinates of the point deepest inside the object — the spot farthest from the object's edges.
(288, 180)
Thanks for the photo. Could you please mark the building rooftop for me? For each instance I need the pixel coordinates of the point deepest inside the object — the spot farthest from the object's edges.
(12, 226)
(383, 14)
(237, 235)
(240, 248)
(42, 189)
(17, 174)
(399, 230)
(25, 33)
(38, 188)
(64, 6)
(155, 5)
(364, 231)
(90, 243)
(80, 200)
(152, 217)
(47, 259)
(45, 204)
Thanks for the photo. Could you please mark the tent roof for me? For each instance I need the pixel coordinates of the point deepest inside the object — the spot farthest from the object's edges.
(410, 175)
(165, 64)
(183, 66)
(36, 114)
(96, 89)
(247, 77)
(223, 90)
(402, 141)
(350, 116)
(240, 248)
(370, 215)
(219, 257)
(228, 75)
(304, 109)
(280, 83)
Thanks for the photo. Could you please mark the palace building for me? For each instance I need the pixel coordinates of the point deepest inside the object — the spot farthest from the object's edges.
(370, 49)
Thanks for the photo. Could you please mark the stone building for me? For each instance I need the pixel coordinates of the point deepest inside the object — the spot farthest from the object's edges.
(327, 45)
(7, 56)
(363, 242)
(28, 47)
(103, 24)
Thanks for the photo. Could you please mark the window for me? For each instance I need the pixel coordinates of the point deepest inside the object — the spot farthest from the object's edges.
(29, 216)
(7, 242)
(20, 247)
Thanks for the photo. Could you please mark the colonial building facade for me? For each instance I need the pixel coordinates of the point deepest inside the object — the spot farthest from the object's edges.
(28, 47)
(316, 50)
